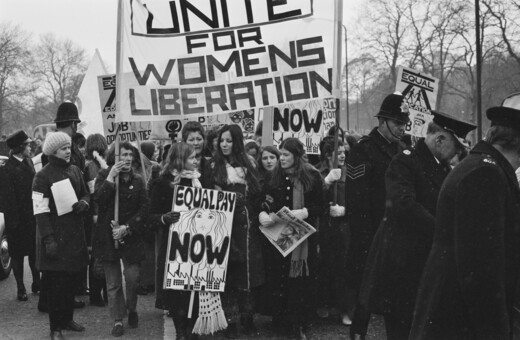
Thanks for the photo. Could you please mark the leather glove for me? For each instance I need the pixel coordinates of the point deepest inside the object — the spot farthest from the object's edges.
(170, 217)
(51, 248)
(337, 211)
(265, 219)
(120, 232)
(333, 176)
(300, 214)
(80, 207)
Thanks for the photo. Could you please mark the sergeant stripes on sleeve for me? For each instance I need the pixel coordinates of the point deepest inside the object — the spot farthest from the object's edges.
(354, 172)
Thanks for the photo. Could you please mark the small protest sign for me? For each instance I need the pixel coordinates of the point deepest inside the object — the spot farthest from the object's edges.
(198, 244)
(420, 93)
(288, 232)
(308, 121)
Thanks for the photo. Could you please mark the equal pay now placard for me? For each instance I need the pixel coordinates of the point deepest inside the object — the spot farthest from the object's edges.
(198, 244)
(207, 56)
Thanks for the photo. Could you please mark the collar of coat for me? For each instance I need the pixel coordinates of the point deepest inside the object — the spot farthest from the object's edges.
(488, 152)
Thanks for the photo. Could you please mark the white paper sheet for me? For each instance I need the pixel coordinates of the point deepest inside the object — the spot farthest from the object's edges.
(64, 196)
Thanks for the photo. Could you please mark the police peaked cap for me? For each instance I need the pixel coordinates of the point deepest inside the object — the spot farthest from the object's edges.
(18, 138)
(394, 107)
(67, 112)
(455, 126)
(504, 116)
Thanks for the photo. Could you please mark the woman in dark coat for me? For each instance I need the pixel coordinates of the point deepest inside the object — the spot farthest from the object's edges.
(61, 248)
(16, 178)
(179, 169)
(291, 279)
(233, 171)
(334, 235)
(127, 232)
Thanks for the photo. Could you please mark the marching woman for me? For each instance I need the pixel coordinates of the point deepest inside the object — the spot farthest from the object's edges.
(267, 160)
(193, 134)
(61, 248)
(232, 170)
(290, 280)
(179, 169)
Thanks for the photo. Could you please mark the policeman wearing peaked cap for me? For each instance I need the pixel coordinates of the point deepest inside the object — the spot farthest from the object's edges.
(404, 237)
(365, 187)
(470, 277)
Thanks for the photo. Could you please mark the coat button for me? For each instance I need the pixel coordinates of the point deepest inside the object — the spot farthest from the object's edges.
(288, 188)
(287, 198)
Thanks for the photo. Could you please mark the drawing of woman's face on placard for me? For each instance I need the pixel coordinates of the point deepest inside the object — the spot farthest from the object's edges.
(204, 221)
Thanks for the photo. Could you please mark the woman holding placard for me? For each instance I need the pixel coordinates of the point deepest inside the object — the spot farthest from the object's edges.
(232, 170)
(179, 169)
(61, 248)
(290, 280)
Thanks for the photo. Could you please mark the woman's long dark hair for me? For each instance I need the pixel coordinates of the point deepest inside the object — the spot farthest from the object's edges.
(238, 158)
(301, 169)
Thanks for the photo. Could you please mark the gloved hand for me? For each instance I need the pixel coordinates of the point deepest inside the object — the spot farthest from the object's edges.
(80, 207)
(265, 219)
(337, 211)
(120, 232)
(333, 176)
(170, 217)
(300, 214)
(51, 247)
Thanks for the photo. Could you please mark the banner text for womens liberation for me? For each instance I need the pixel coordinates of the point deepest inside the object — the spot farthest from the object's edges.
(207, 56)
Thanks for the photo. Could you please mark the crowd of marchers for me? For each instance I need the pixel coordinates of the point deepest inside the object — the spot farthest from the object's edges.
(423, 231)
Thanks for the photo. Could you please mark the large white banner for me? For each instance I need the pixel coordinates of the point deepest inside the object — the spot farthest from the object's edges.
(198, 244)
(420, 92)
(207, 57)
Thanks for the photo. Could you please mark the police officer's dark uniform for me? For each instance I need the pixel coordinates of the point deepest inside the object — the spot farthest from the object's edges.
(404, 237)
(468, 284)
(365, 187)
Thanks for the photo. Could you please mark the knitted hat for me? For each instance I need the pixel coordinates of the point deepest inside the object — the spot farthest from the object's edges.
(54, 141)
(148, 149)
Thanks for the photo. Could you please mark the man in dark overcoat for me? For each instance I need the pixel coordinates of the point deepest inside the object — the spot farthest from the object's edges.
(16, 178)
(365, 183)
(468, 284)
(403, 240)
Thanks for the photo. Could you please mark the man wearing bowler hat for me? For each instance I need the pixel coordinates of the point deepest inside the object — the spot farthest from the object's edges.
(365, 184)
(16, 179)
(468, 284)
(404, 238)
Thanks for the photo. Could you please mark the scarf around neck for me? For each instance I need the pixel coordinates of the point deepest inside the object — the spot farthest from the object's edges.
(194, 175)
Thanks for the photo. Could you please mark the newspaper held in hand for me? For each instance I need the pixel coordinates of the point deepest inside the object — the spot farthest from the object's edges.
(288, 232)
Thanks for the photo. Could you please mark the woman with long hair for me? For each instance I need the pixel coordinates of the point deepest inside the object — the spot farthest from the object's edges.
(96, 148)
(298, 186)
(233, 171)
(193, 134)
(268, 161)
(180, 168)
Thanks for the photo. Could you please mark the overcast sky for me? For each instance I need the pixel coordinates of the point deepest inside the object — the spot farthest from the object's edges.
(89, 23)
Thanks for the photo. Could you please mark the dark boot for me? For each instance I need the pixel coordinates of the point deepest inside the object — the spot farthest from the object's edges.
(231, 331)
(248, 326)
(180, 327)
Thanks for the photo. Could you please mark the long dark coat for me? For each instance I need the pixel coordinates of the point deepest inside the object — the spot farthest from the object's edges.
(294, 298)
(16, 180)
(68, 229)
(365, 190)
(468, 285)
(133, 211)
(161, 199)
(403, 240)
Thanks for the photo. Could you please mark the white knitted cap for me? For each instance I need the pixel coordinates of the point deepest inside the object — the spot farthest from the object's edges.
(54, 141)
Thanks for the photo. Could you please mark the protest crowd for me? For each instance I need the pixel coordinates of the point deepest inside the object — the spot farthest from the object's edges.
(423, 231)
